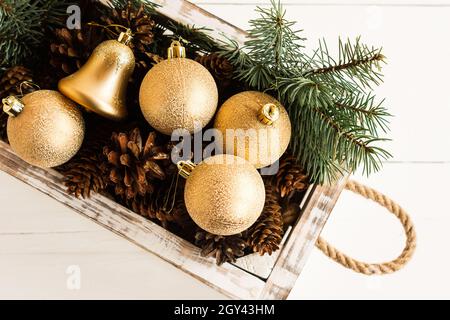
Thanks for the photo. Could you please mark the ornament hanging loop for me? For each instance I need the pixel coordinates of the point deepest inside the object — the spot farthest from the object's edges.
(12, 106)
(185, 168)
(29, 84)
(269, 114)
(176, 50)
(125, 37)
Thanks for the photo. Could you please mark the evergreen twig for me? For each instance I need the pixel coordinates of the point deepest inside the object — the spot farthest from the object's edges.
(336, 119)
(22, 27)
(357, 64)
(149, 6)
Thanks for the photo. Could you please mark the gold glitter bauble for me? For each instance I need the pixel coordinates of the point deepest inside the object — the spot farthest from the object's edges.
(257, 125)
(224, 194)
(178, 93)
(101, 84)
(48, 131)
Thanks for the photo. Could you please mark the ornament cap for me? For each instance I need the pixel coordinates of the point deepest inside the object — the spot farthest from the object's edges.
(12, 106)
(125, 37)
(269, 113)
(185, 168)
(176, 50)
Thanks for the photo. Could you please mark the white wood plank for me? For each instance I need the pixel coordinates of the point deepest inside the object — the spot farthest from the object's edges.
(35, 266)
(20, 217)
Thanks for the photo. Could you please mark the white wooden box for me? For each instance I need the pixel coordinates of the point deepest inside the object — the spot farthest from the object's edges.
(251, 277)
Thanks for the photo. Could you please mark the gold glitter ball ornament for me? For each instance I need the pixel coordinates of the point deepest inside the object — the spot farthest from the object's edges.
(44, 128)
(178, 93)
(254, 126)
(224, 194)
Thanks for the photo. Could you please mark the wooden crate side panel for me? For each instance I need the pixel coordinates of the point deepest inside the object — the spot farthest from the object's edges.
(302, 240)
(188, 13)
(227, 279)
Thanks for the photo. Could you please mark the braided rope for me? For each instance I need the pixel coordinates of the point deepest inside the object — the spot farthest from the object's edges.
(377, 268)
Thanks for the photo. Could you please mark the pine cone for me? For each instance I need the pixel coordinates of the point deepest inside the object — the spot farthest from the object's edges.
(220, 68)
(266, 234)
(11, 80)
(224, 248)
(141, 26)
(164, 205)
(291, 212)
(10, 85)
(167, 211)
(134, 18)
(146, 184)
(70, 49)
(290, 177)
(86, 172)
(184, 225)
(134, 166)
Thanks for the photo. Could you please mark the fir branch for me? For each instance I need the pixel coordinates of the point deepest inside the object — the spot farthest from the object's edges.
(273, 49)
(365, 111)
(335, 119)
(345, 66)
(328, 132)
(272, 40)
(22, 27)
(357, 63)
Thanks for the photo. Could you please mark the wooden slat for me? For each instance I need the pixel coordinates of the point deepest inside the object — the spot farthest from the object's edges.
(227, 279)
(188, 13)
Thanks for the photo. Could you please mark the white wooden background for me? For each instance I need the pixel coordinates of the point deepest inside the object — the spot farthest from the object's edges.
(41, 241)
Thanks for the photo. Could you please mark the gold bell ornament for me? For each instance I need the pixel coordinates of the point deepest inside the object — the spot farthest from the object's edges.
(224, 194)
(255, 126)
(44, 128)
(178, 93)
(101, 83)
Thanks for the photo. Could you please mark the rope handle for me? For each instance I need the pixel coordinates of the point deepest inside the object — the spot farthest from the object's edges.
(375, 268)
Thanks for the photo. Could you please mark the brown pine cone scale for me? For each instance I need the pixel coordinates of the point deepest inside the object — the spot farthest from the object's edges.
(290, 177)
(84, 175)
(11, 80)
(266, 234)
(134, 165)
(70, 49)
(223, 248)
(219, 66)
